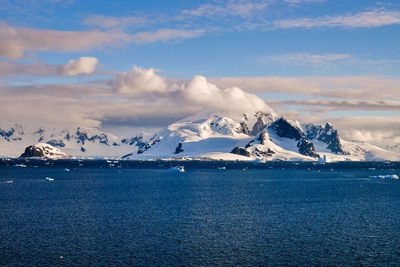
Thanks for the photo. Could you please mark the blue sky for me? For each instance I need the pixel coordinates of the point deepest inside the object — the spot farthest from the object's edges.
(232, 44)
(285, 51)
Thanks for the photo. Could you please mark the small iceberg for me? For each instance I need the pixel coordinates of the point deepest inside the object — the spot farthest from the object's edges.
(49, 179)
(67, 170)
(388, 176)
(177, 169)
(9, 182)
(20, 165)
(222, 168)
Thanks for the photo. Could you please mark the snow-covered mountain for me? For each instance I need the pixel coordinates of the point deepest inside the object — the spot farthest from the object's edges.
(258, 136)
(221, 136)
(42, 150)
(80, 142)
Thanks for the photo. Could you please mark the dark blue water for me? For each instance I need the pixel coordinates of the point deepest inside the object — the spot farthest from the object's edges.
(94, 216)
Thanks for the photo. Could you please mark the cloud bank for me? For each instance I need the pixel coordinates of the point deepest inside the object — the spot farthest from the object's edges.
(196, 92)
(356, 87)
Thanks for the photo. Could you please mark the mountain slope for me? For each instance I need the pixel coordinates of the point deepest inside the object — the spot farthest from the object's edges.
(251, 136)
(257, 136)
(81, 142)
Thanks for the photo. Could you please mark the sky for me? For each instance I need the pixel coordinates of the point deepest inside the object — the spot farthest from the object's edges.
(145, 64)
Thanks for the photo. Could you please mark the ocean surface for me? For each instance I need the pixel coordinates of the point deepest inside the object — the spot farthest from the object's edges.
(108, 213)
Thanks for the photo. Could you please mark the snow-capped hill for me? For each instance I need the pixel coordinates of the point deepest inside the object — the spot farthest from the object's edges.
(257, 136)
(216, 126)
(196, 135)
(42, 150)
(193, 137)
(80, 142)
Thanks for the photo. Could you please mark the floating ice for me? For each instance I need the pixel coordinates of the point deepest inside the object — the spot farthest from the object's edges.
(388, 176)
(177, 169)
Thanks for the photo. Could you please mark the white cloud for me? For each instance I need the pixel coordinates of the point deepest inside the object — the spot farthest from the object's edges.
(305, 58)
(108, 22)
(366, 19)
(379, 130)
(231, 8)
(82, 65)
(139, 82)
(324, 105)
(362, 87)
(383, 131)
(295, 2)
(199, 91)
(164, 35)
(8, 69)
(16, 41)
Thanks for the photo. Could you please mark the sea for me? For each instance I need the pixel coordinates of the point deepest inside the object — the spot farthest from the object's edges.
(140, 213)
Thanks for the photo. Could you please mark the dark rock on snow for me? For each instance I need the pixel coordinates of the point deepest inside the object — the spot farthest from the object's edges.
(284, 129)
(307, 148)
(241, 151)
(33, 152)
(179, 149)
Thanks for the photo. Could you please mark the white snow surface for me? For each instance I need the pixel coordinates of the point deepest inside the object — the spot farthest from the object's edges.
(97, 143)
(51, 152)
(213, 136)
(204, 136)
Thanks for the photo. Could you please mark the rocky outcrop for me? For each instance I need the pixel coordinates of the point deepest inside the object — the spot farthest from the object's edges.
(258, 126)
(263, 137)
(179, 149)
(42, 150)
(56, 143)
(241, 151)
(82, 136)
(33, 152)
(263, 153)
(243, 128)
(12, 134)
(284, 129)
(287, 130)
(307, 148)
(144, 146)
(327, 135)
(137, 140)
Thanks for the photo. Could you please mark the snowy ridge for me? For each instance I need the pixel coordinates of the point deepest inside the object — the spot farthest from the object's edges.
(258, 136)
(79, 142)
